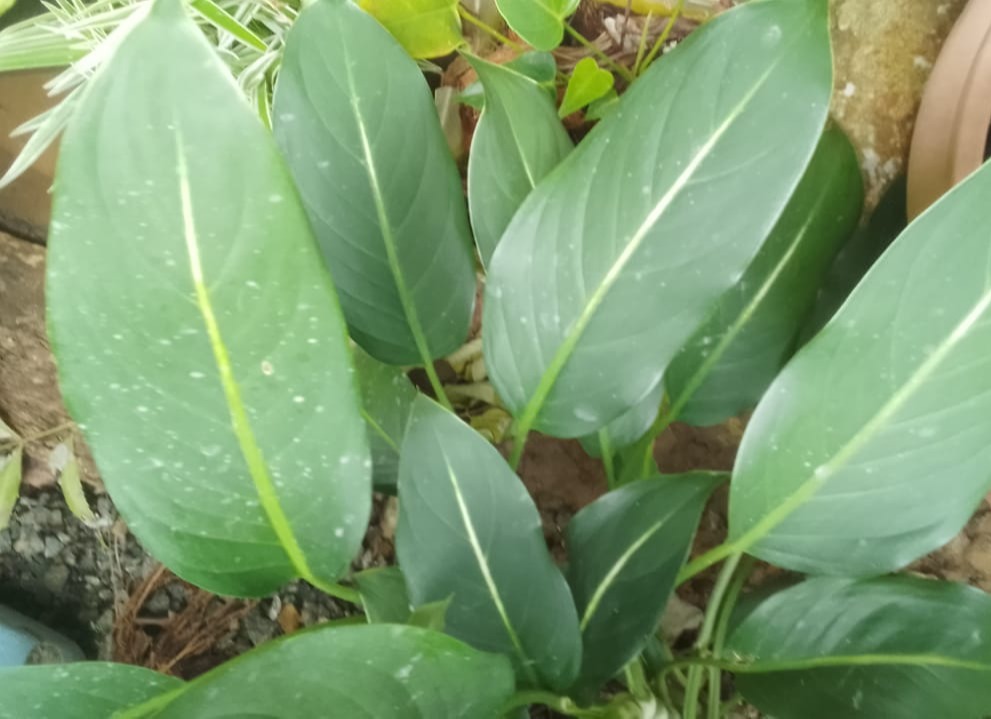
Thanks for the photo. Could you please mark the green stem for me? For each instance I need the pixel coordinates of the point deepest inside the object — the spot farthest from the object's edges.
(437, 386)
(536, 696)
(740, 575)
(705, 560)
(520, 434)
(605, 445)
(705, 635)
(662, 38)
(488, 29)
(642, 45)
(338, 591)
(597, 51)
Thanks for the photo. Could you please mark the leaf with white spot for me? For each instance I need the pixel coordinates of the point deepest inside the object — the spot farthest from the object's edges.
(199, 341)
(469, 531)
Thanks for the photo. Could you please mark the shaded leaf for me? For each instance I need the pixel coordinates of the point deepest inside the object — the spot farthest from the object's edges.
(538, 22)
(844, 467)
(425, 28)
(387, 399)
(625, 550)
(600, 107)
(630, 426)
(10, 483)
(72, 487)
(468, 530)
(890, 648)
(733, 357)
(371, 671)
(625, 230)
(199, 343)
(389, 213)
(518, 140)
(87, 690)
(383, 595)
(588, 83)
(431, 615)
(541, 67)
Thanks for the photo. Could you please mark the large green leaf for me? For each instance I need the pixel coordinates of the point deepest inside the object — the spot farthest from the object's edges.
(891, 648)
(871, 448)
(425, 28)
(625, 550)
(87, 690)
(732, 358)
(359, 672)
(356, 121)
(199, 342)
(387, 399)
(539, 22)
(618, 255)
(519, 139)
(469, 531)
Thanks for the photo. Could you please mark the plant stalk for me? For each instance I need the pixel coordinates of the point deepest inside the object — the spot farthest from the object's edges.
(662, 38)
(597, 51)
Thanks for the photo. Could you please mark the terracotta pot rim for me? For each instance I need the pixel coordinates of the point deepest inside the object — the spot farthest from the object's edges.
(951, 130)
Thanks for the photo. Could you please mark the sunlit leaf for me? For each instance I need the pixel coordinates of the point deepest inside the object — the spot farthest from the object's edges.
(588, 83)
(538, 22)
(425, 28)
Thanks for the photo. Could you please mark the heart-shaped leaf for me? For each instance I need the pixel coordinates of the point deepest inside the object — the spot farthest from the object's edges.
(891, 648)
(389, 213)
(199, 342)
(588, 83)
(618, 255)
(425, 28)
(85, 690)
(732, 358)
(625, 551)
(387, 399)
(539, 22)
(469, 531)
(518, 141)
(845, 465)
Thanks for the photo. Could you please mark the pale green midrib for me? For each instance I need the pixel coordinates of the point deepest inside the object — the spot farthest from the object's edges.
(388, 239)
(560, 359)
(618, 566)
(698, 378)
(377, 428)
(937, 660)
(257, 468)
(483, 565)
(808, 488)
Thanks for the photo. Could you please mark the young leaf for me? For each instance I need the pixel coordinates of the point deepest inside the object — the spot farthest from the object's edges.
(387, 399)
(588, 83)
(383, 595)
(538, 22)
(359, 672)
(468, 530)
(72, 485)
(732, 358)
(625, 550)
(890, 648)
(518, 141)
(388, 211)
(425, 28)
(845, 465)
(10, 483)
(618, 255)
(86, 690)
(199, 342)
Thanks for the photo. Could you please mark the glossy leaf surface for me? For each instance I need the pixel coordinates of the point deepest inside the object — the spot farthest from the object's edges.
(425, 28)
(890, 648)
(619, 254)
(518, 140)
(538, 22)
(846, 464)
(625, 550)
(732, 358)
(388, 211)
(199, 342)
(469, 531)
(86, 690)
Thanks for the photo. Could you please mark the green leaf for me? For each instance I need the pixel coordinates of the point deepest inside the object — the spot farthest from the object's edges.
(845, 466)
(538, 22)
(625, 551)
(389, 212)
(468, 530)
(630, 426)
(598, 109)
(430, 616)
(199, 343)
(588, 83)
(733, 357)
(518, 140)
(10, 483)
(387, 399)
(360, 672)
(86, 690)
(383, 595)
(891, 648)
(618, 255)
(72, 486)
(6, 5)
(541, 67)
(425, 28)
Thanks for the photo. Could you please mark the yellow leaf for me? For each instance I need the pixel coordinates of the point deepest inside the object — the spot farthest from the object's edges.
(72, 488)
(425, 28)
(10, 483)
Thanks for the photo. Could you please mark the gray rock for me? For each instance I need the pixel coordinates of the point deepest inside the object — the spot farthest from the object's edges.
(52, 547)
(259, 628)
(55, 578)
(28, 545)
(159, 603)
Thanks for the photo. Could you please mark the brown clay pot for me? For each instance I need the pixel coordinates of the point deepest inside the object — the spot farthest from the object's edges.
(952, 129)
